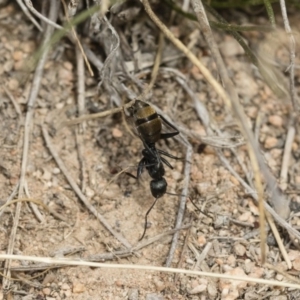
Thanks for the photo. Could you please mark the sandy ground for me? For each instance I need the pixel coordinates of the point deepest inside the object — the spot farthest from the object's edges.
(95, 152)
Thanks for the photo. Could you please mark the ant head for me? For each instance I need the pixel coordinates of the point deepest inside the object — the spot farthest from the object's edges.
(158, 187)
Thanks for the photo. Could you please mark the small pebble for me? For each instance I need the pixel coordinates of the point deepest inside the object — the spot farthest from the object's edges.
(119, 283)
(159, 285)
(50, 277)
(230, 47)
(65, 286)
(13, 84)
(154, 297)
(201, 240)
(276, 121)
(231, 260)
(252, 112)
(67, 293)
(47, 175)
(117, 133)
(89, 192)
(78, 288)
(270, 142)
(296, 264)
(249, 265)
(280, 297)
(56, 171)
(279, 277)
(7, 67)
(133, 294)
(198, 289)
(67, 65)
(189, 261)
(295, 146)
(239, 249)
(212, 290)
(17, 55)
(293, 254)
(256, 272)
(234, 180)
(47, 291)
(297, 179)
(245, 216)
(29, 46)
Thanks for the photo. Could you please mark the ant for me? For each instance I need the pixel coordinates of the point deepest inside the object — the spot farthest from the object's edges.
(149, 126)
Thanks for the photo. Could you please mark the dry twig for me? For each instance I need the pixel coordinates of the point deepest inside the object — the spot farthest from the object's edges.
(287, 153)
(79, 133)
(42, 17)
(30, 17)
(77, 41)
(291, 68)
(80, 262)
(279, 241)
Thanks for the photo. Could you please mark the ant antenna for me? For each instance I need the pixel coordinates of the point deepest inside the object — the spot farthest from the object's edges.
(147, 213)
(146, 218)
(154, 202)
(172, 194)
(191, 202)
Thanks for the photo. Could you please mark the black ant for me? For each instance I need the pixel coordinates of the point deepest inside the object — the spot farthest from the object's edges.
(149, 126)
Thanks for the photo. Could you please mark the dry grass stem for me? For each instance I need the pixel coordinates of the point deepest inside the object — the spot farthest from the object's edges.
(11, 196)
(107, 70)
(291, 68)
(42, 17)
(98, 115)
(30, 17)
(155, 68)
(279, 241)
(14, 102)
(79, 132)
(287, 154)
(36, 201)
(81, 158)
(77, 41)
(80, 85)
(33, 206)
(201, 257)
(139, 246)
(80, 262)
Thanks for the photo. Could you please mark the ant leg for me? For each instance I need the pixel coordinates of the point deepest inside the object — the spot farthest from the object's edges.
(167, 154)
(164, 136)
(132, 176)
(166, 162)
(169, 124)
(146, 217)
(171, 134)
(140, 168)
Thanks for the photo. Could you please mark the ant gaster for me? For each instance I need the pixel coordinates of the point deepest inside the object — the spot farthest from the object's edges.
(149, 126)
